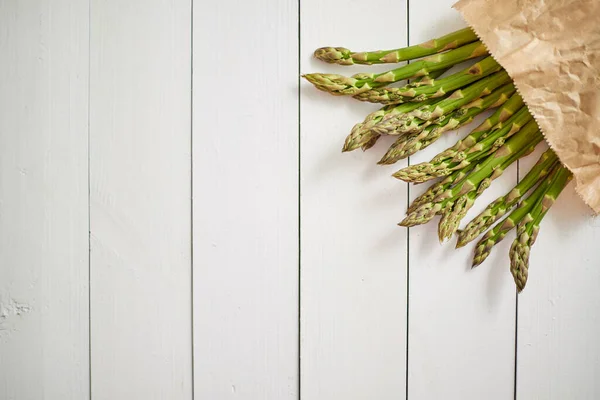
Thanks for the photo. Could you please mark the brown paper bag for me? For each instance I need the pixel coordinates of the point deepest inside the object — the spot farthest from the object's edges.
(551, 49)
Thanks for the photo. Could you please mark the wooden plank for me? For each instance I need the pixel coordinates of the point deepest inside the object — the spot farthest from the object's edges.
(461, 321)
(558, 328)
(44, 200)
(353, 268)
(246, 199)
(140, 199)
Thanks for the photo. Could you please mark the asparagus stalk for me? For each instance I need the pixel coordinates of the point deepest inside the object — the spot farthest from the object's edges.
(396, 124)
(511, 106)
(342, 85)
(529, 227)
(440, 187)
(500, 206)
(362, 133)
(463, 96)
(497, 120)
(343, 56)
(407, 145)
(428, 79)
(435, 88)
(495, 235)
(453, 158)
(479, 179)
(456, 210)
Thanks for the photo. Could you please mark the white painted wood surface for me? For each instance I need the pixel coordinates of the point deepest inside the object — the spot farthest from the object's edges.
(234, 187)
(558, 353)
(140, 163)
(461, 321)
(43, 200)
(246, 200)
(353, 256)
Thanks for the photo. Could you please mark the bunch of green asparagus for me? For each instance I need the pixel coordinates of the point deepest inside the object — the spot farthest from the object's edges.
(418, 113)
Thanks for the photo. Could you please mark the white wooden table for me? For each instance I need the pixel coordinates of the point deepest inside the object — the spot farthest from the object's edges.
(177, 221)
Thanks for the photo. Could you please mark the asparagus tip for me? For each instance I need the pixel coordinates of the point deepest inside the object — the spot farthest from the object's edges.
(401, 175)
(460, 242)
(398, 176)
(444, 234)
(347, 147)
(405, 222)
(335, 84)
(334, 55)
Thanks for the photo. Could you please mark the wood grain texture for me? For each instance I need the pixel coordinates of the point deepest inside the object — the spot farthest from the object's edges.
(558, 354)
(140, 199)
(43, 200)
(461, 321)
(245, 147)
(353, 269)
(272, 193)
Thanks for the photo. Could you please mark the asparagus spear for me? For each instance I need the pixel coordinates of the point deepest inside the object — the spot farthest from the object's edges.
(394, 124)
(435, 88)
(495, 235)
(452, 159)
(478, 179)
(500, 206)
(407, 145)
(428, 79)
(511, 106)
(496, 121)
(343, 56)
(529, 227)
(500, 118)
(342, 85)
(369, 143)
(456, 210)
(440, 187)
(362, 132)
(463, 96)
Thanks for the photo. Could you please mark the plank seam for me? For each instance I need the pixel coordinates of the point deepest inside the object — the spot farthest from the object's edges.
(407, 233)
(299, 348)
(89, 195)
(516, 313)
(192, 193)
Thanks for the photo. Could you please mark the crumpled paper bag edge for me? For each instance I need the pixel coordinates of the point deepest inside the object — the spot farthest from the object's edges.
(596, 212)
